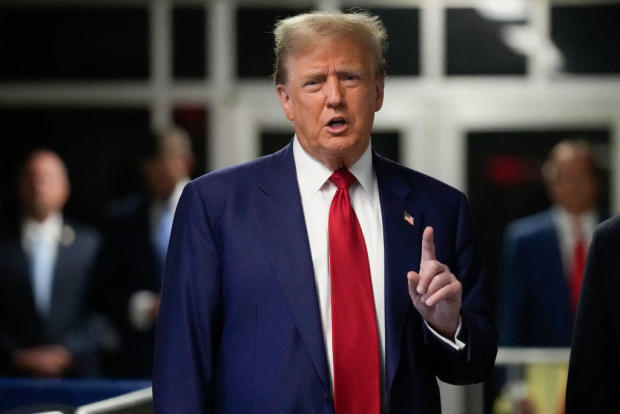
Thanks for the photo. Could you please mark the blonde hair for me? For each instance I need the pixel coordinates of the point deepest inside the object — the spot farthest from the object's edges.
(297, 33)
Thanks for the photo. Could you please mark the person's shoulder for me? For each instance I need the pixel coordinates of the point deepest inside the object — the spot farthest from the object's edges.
(412, 178)
(128, 206)
(239, 176)
(83, 233)
(609, 230)
(531, 225)
(10, 246)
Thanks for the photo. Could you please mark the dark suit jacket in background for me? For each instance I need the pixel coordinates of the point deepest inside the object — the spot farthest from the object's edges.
(71, 321)
(128, 264)
(594, 368)
(534, 305)
(239, 329)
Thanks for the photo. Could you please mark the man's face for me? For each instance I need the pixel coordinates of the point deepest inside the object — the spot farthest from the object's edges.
(331, 95)
(163, 171)
(44, 185)
(574, 186)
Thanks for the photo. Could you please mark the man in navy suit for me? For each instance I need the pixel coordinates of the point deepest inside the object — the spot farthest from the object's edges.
(136, 236)
(594, 360)
(47, 328)
(251, 313)
(544, 254)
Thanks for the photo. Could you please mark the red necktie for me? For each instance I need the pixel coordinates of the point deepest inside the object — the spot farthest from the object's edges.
(579, 263)
(354, 325)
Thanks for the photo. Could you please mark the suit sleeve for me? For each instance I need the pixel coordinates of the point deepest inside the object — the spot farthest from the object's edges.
(476, 360)
(594, 360)
(189, 325)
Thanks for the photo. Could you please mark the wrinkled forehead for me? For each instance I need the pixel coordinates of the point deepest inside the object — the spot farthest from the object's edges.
(301, 48)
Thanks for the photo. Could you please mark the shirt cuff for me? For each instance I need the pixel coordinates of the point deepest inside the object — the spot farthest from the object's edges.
(457, 344)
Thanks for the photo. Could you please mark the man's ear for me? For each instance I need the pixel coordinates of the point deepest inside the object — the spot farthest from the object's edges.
(379, 87)
(285, 101)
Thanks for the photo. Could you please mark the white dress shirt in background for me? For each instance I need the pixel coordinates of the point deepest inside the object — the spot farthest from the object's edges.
(40, 242)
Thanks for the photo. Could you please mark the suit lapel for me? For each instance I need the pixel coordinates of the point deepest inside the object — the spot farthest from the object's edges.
(402, 247)
(61, 282)
(21, 265)
(279, 212)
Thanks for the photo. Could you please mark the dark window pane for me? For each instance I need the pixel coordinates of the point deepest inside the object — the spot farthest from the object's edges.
(73, 42)
(474, 46)
(403, 53)
(588, 37)
(387, 143)
(190, 58)
(504, 180)
(98, 146)
(194, 119)
(255, 39)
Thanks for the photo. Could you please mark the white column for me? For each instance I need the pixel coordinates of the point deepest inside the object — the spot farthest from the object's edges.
(537, 67)
(221, 43)
(432, 34)
(328, 5)
(161, 62)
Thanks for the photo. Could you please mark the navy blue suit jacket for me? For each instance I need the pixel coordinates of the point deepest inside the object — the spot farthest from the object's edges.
(239, 329)
(71, 321)
(534, 306)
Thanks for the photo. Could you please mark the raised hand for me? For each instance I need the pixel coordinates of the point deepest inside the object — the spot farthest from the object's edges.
(435, 291)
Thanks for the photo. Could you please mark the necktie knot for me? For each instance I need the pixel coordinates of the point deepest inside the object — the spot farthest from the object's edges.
(342, 178)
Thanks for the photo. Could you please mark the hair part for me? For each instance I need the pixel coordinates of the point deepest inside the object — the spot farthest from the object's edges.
(297, 33)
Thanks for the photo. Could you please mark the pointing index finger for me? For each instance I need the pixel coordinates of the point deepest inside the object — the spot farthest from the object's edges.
(428, 245)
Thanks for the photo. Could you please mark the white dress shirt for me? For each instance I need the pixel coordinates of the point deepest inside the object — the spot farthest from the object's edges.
(41, 239)
(317, 193)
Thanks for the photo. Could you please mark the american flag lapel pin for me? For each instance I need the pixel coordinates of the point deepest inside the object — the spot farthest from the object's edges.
(408, 218)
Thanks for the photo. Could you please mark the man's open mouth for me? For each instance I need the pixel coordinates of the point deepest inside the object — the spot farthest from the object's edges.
(336, 122)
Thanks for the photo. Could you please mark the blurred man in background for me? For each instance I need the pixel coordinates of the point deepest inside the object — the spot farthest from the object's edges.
(136, 240)
(46, 327)
(544, 254)
(544, 259)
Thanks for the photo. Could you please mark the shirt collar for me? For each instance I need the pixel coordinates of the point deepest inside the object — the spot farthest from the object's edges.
(49, 230)
(158, 207)
(587, 218)
(312, 174)
(565, 220)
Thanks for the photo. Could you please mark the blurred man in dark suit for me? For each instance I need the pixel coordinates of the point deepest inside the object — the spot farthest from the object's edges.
(46, 327)
(136, 238)
(593, 380)
(544, 254)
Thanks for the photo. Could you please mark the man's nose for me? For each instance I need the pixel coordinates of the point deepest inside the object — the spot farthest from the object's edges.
(334, 93)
